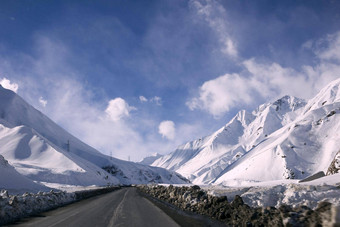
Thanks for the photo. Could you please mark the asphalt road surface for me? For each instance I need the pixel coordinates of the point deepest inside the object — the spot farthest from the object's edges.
(124, 207)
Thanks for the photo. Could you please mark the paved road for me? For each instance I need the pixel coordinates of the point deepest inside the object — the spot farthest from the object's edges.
(124, 207)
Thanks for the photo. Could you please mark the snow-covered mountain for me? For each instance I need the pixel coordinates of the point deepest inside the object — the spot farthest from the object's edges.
(42, 151)
(150, 159)
(285, 139)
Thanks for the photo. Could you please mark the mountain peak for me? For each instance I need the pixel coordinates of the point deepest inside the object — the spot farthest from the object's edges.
(331, 91)
(289, 103)
(286, 98)
(328, 95)
(6, 95)
(244, 117)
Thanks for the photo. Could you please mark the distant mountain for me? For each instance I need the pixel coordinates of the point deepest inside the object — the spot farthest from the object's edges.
(42, 151)
(150, 159)
(288, 138)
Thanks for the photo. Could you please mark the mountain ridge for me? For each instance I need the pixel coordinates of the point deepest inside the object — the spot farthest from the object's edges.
(276, 129)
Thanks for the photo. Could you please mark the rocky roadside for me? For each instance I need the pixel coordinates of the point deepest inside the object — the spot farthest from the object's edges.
(236, 213)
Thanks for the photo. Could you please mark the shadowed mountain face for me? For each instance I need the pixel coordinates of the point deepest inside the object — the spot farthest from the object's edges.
(42, 151)
(289, 138)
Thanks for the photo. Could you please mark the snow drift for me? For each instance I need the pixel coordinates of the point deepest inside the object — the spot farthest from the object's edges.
(13, 181)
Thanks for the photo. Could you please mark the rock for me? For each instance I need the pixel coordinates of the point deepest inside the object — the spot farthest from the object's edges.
(323, 207)
(223, 199)
(237, 213)
(13, 201)
(4, 193)
(195, 187)
(238, 201)
(313, 177)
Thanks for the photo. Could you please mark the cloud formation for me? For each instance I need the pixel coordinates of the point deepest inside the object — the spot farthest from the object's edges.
(157, 100)
(167, 129)
(328, 48)
(118, 108)
(6, 83)
(106, 125)
(217, 96)
(142, 99)
(214, 14)
(42, 101)
(269, 80)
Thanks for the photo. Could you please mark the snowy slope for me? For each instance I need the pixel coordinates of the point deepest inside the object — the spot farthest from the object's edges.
(11, 180)
(285, 139)
(204, 159)
(150, 159)
(42, 151)
(301, 148)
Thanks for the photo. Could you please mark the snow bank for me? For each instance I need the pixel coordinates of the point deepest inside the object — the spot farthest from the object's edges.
(237, 213)
(288, 192)
(14, 207)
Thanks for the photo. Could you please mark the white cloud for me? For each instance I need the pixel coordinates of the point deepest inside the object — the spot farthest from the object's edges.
(157, 100)
(273, 80)
(142, 99)
(264, 81)
(329, 47)
(270, 80)
(214, 14)
(229, 48)
(42, 101)
(118, 108)
(167, 129)
(70, 105)
(6, 83)
(217, 96)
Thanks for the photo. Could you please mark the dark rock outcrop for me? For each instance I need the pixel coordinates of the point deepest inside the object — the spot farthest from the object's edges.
(335, 165)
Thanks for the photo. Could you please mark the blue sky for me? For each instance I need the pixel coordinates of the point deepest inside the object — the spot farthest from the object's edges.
(138, 77)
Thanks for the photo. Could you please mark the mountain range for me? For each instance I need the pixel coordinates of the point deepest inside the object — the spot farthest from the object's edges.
(287, 139)
(34, 151)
